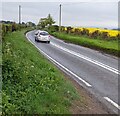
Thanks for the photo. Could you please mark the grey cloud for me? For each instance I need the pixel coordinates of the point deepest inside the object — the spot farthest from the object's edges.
(103, 14)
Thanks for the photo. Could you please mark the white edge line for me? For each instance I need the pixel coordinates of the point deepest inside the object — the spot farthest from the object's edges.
(86, 83)
(112, 102)
(88, 59)
(106, 98)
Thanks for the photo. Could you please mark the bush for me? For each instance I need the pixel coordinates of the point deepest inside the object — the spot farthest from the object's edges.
(8, 28)
(53, 28)
(95, 34)
(85, 32)
(105, 35)
(69, 29)
(3, 30)
(62, 28)
(14, 27)
(11, 27)
(118, 36)
(77, 31)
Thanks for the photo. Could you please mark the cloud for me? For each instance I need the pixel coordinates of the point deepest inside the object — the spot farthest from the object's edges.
(100, 14)
(60, 1)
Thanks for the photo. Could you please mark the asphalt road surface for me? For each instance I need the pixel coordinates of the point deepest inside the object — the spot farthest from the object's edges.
(95, 71)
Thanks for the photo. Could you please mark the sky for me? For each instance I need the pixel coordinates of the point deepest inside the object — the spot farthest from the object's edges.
(77, 13)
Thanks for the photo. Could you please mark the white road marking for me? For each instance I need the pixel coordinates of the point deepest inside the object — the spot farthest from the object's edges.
(88, 59)
(89, 85)
(112, 102)
(56, 62)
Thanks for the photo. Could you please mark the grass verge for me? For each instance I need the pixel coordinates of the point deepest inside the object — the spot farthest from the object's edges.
(30, 83)
(107, 46)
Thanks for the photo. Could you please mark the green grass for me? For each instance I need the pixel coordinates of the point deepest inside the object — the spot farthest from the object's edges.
(0, 78)
(0, 84)
(0, 54)
(108, 46)
(30, 83)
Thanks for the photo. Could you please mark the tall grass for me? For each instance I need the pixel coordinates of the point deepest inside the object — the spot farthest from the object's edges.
(107, 46)
(30, 83)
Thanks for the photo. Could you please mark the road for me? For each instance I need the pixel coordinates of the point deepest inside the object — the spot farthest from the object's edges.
(95, 71)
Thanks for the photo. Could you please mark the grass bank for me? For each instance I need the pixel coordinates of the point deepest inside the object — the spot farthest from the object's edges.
(30, 83)
(107, 46)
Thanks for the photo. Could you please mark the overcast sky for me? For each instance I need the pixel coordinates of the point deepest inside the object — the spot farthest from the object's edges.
(86, 13)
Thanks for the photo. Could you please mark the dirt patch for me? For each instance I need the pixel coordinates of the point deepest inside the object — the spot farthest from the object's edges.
(87, 104)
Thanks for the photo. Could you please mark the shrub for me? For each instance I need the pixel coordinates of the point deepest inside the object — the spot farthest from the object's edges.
(77, 31)
(53, 28)
(105, 35)
(95, 34)
(69, 29)
(85, 32)
(118, 36)
(14, 28)
(62, 28)
(3, 30)
(9, 28)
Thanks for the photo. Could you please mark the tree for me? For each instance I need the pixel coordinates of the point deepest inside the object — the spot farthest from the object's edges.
(50, 20)
(44, 22)
(30, 24)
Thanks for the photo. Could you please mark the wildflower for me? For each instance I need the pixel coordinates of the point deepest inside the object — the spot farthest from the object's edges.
(32, 66)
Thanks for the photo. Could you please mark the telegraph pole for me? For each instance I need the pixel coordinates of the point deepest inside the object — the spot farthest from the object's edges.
(60, 19)
(19, 14)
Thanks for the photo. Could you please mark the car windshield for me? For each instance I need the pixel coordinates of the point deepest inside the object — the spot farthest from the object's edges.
(44, 33)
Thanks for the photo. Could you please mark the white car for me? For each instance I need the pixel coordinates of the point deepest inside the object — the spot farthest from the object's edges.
(42, 36)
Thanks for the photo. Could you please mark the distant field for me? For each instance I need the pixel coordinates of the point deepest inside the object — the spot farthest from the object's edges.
(30, 83)
(111, 33)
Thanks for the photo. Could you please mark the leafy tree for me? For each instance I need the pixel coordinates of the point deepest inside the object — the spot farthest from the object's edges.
(44, 22)
(23, 23)
(50, 20)
(30, 24)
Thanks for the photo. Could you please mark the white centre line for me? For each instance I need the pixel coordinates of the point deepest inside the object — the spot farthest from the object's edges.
(87, 58)
(63, 67)
(112, 102)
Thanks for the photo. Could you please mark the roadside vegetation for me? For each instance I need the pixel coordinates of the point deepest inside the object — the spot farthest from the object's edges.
(0, 44)
(30, 83)
(107, 46)
(103, 40)
(0, 68)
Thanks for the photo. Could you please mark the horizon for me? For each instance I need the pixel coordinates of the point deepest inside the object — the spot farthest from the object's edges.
(112, 28)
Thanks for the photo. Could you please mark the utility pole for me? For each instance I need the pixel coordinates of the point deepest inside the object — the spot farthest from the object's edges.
(60, 19)
(19, 14)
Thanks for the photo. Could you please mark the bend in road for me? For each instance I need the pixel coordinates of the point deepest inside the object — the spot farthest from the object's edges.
(103, 83)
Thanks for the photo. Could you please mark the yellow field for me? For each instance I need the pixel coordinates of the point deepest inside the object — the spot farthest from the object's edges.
(112, 33)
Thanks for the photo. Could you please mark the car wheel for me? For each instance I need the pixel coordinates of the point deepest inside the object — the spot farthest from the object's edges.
(48, 41)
